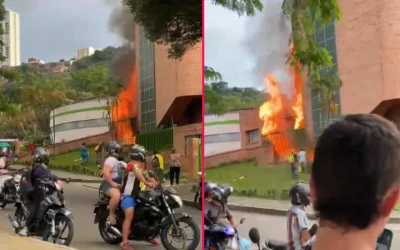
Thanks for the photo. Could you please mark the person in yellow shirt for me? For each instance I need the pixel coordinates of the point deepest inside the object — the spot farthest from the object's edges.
(292, 158)
(157, 164)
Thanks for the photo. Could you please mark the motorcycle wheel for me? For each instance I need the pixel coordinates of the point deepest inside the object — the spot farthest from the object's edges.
(47, 231)
(106, 236)
(165, 231)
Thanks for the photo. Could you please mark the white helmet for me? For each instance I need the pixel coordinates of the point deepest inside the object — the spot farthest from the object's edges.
(3, 152)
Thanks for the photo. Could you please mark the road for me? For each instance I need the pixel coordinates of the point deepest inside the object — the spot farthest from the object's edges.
(80, 200)
(274, 227)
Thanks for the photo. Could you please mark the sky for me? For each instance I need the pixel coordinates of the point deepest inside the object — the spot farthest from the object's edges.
(53, 30)
(224, 51)
(247, 49)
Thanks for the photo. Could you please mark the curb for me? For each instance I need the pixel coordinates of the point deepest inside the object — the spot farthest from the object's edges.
(45, 243)
(281, 212)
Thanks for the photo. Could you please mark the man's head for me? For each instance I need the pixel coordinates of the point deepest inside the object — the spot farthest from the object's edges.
(83, 144)
(356, 172)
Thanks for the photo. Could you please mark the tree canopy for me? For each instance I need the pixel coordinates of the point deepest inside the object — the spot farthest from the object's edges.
(179, 23)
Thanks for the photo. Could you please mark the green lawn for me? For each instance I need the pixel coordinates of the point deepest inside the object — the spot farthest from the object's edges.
(71, 158)
(262, 179)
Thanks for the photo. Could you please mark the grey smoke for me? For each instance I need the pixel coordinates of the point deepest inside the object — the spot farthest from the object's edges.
(121, 24)
(267, 42)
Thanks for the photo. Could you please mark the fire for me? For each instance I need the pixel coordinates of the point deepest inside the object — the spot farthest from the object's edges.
(274, 112)
(124, 109)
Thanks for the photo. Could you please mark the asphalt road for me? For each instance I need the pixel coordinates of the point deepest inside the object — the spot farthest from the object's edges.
(80, 201)
(274, 227)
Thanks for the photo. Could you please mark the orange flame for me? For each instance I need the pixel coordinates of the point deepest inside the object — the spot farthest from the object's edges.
(124, 109)
(272, 112)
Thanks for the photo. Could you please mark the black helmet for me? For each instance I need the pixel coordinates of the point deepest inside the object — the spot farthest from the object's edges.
(41, 155)
(113, 148)
(222, 192)
(209, 186)
(138, 153)
(300, 194)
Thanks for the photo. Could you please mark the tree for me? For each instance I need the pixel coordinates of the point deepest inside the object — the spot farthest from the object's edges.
(179, 23)
(211, 75)
(304, 14)
(328, 85)
(216, 104)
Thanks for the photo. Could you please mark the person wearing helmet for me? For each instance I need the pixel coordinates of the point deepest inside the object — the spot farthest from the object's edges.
(3, 168)
(208, 187)
(297, 221)
(40, 171)
(135, 174)
(112, 177)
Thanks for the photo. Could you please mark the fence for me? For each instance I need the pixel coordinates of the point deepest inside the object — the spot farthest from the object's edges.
(156, 140)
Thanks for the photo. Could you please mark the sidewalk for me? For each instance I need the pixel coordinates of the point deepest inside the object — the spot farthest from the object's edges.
(14, 242)
(276, 207)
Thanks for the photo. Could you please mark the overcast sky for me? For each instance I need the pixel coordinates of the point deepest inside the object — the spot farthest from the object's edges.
(52, 29)
(224, 49)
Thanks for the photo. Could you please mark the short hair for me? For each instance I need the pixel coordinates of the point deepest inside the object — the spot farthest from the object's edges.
(155, 152)
(356, 162)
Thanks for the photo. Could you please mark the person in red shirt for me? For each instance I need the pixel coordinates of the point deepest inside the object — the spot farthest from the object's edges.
(31, 147)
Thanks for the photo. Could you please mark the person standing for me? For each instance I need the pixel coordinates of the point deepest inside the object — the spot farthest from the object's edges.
(84, 155)
(31, 147)
(292, 161)
(174, 168)
(302, 160)
(157, 165)
(99, 152)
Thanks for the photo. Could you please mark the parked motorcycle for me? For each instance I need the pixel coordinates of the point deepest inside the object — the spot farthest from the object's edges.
(54, 217)
(220, 238)
(10, 192)
(198, 199)
(154, 216)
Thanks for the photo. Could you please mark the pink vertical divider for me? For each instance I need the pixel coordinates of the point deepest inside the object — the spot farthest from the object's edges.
(202, 129)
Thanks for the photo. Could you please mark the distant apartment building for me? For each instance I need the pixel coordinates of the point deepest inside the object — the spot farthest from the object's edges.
(35, 62)
(85, 52)
(53, 67)
(11, 38)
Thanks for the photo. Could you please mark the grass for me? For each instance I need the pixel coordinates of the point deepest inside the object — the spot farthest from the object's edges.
(71, 158)
(262, 179)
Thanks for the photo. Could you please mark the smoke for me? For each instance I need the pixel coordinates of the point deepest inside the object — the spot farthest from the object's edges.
(267, 43)
(121, 23)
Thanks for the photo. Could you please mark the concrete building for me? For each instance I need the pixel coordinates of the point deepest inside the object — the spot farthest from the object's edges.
(169, 90)
(11, 39)
(80, 120)
(221, 133)
(84, 52)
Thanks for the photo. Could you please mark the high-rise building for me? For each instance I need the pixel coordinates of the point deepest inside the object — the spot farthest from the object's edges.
(85, 52)
(11, 38)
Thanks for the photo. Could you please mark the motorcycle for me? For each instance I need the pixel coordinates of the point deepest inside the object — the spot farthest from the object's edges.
(221, 238)
(53, 213)
(198, 199)
(10, 191)
(384, 241)
(154, 216)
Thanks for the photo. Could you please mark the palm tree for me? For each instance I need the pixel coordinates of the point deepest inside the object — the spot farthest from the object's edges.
(248, 7)
(328, 86)
(211, 75)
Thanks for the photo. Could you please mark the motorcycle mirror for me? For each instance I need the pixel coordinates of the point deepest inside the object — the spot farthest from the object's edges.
(254, 235)
(242, 220)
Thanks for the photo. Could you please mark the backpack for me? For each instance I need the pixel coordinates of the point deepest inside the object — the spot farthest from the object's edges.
(155, 162)
(26, 186)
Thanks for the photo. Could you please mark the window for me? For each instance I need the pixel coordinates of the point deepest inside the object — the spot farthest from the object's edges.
(254, 135)
(94, 123)
(187, 141)
(228, 137)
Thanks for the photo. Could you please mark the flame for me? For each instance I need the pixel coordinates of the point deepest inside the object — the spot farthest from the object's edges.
(273, 111)
(124, 109)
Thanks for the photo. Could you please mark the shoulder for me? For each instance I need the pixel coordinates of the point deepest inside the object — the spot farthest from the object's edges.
(110, 161)
(132, 167)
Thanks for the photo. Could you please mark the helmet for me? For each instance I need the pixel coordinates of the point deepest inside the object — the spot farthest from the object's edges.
(41, 155)
(222, 192)
(3, 152)
(300, 194)
(209, 186)
(138, 153)
(113, 148)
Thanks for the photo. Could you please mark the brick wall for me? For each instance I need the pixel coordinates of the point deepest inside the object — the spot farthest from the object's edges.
(263, 154)
(179, 143)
